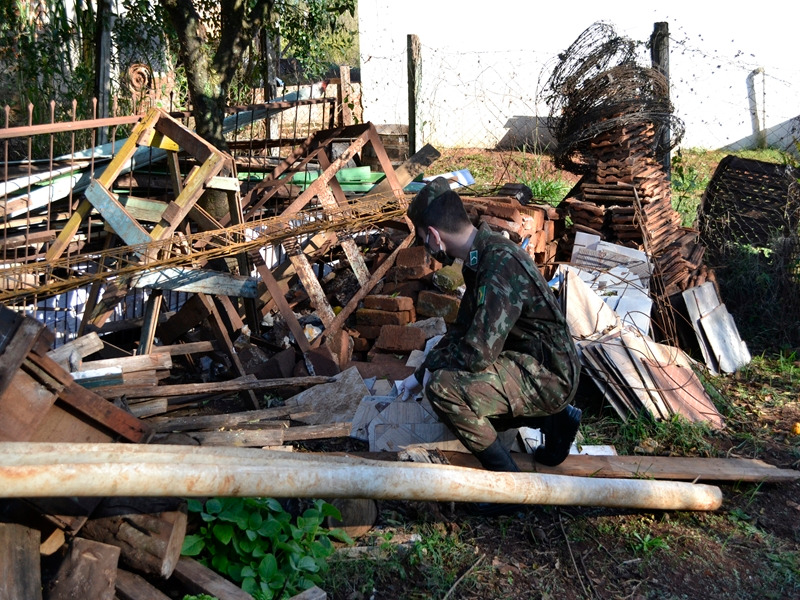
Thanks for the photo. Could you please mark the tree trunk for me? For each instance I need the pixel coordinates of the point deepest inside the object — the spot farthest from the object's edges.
(148, 534)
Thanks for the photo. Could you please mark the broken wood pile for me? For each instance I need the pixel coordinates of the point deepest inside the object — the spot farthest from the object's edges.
(256, 357)
(627, 200)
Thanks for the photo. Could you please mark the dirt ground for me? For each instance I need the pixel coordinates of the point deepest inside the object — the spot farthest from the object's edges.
(750, 548)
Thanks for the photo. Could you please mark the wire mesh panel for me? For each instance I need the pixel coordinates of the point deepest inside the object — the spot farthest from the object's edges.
(749, 220)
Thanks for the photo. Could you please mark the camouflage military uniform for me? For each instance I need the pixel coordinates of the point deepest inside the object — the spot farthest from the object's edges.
(509, 354)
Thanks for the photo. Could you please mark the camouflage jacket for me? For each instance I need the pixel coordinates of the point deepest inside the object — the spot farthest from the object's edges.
(507, 307)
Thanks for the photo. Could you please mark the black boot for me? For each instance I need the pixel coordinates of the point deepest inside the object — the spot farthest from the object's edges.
(559, 432)
(495, 458)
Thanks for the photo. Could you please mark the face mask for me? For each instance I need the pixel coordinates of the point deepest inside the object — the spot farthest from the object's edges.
(439, 255)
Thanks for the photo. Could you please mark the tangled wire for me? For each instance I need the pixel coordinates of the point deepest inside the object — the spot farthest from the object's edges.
(597, 87)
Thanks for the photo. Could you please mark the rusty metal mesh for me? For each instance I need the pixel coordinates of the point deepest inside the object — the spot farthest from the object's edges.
(749, 221)
(597, 86)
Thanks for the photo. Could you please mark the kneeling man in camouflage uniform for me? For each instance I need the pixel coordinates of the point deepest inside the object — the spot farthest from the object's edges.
(508, 360)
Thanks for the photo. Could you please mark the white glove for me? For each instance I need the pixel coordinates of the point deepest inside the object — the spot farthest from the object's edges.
(409, 387)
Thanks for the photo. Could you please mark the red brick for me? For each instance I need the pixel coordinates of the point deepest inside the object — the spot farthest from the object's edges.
(497, 224)
(371, 316)
(369, 332)
(399, 338)
(432, 304)
(503, 211)
(391, 303)
(415, 256)
(361, 344)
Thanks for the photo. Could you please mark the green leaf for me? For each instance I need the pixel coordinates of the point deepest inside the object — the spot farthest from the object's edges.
(274, 505)
(250, 585)
(268, 567)
(255, 520)
(248, 571)
(269, 528)
(194, 505)
(306, 563)
(213, 506)
(223, 532)
(192, 545)
(251, 535)
(220, 563)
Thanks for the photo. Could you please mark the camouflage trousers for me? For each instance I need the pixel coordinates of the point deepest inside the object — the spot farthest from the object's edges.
(476, 405)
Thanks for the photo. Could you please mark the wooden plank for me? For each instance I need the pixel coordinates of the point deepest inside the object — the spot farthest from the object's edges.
(233, 385)
(239, 437)
(132, 364)
(130, 586)
(317, 432)
(278, 297)
(89, 404)
(653, 467)
(88, 571)
(238, 419)
(187, 139)
(25, 334)
(196, 281)
(151, 314)
(23, 407)
(182, 349)
(192, 190)
(217, 182)
(75, 351)
(312, 287)
(143, 209)
(20, 574)
(115, 215)
(202, 580)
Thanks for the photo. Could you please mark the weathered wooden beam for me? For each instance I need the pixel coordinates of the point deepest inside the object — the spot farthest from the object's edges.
(115, 215)
(202, 580)
(19, 562)
(233, 385)
(87, 571)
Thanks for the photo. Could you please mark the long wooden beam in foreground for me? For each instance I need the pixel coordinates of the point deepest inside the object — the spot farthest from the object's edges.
(675, 468)
(35, 470)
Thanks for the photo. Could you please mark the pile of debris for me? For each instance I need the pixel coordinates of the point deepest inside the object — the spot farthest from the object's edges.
(269, 356)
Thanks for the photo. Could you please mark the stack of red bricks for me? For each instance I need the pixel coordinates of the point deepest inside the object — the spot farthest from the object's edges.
(534, 226)
(383, 323)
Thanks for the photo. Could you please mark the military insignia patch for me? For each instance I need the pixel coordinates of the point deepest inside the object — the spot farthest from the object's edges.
(473, 258)
(481, 295)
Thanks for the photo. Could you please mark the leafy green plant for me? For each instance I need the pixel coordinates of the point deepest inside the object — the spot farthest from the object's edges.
(258, 545)
(647, 544)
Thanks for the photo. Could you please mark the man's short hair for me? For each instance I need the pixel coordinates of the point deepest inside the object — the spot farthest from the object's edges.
(436, 205)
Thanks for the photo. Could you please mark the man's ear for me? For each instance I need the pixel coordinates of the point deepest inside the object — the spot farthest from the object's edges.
(434, 233)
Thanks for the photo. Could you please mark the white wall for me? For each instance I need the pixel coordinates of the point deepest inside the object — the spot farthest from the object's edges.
(484, 63)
